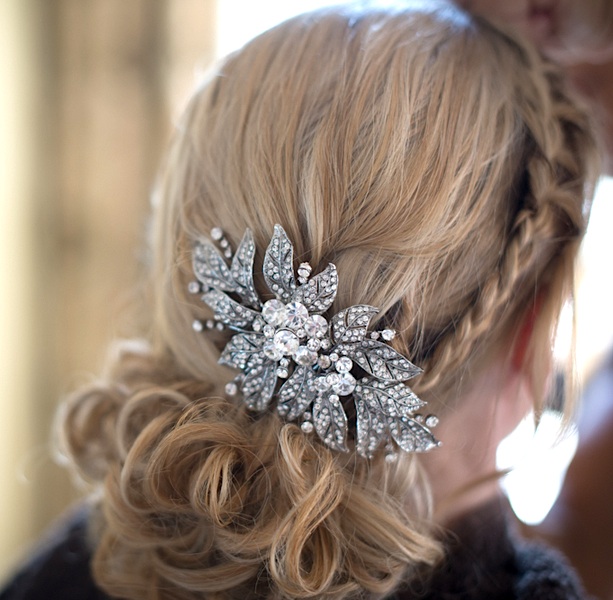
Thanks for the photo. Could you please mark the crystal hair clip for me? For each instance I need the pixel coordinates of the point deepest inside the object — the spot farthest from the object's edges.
(288, 351)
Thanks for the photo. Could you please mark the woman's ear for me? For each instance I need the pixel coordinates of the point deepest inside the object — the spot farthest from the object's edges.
(526, 331)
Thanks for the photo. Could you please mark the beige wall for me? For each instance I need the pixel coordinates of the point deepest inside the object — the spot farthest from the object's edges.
(16, 256)
(89, 90)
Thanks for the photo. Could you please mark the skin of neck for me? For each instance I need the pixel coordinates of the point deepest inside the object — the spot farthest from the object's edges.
(462, 471)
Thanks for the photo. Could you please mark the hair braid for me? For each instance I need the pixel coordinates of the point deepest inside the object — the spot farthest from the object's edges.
(559, 150)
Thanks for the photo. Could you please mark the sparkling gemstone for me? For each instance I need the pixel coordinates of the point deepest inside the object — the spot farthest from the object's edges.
(272, 351)
(307, 427)
(344, 364)
(269, 331)
(391, 457)
(304, 270)
(333, 380)
(322, 384)
(219, 326)
(216, 233)
(314, 344)
(282, 373)
(305, 357)
(307, 416)
(274, 312)
(257, 325)
(388, 334)
(286, 342)
(334, 357)
(431, 420)
(193, 287)
(198, 326)
(374, 335)
(231, 389)
(344, 385)
(316, 326)
(296, 315)
(326, 344)
(324, 361)
(284, 362)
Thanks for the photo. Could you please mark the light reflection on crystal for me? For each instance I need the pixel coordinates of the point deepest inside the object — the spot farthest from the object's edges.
(286, 342)
(272, 351)
(344, 364)
(296, 315)
(307, 427)
(316, 326)
(274, 312)
(344, 385)
(322, 384)
(304, 356)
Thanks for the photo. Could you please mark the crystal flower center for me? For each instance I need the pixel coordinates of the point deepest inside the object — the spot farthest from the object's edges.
(296, 315)
(286, 342)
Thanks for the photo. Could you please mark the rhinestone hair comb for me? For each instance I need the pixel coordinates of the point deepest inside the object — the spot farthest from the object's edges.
(288, 352)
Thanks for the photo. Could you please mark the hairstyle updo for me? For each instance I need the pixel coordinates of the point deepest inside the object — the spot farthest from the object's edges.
(441, 166)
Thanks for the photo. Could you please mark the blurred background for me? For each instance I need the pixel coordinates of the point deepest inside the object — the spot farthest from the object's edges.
(89, 90)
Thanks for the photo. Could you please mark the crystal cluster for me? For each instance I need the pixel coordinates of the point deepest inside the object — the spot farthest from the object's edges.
(288, 351)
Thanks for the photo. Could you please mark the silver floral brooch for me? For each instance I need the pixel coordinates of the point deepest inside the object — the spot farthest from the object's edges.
(288, 351)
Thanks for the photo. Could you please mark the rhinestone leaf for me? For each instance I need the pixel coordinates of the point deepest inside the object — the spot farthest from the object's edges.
(351, 324)
(330, 421)
(210, 268)
(240, 349)
(278, 266)
(380, 360)
(319, 293)
(286, 349)
(259, 383)
(389, 398)
(297, 393)
(242, 270)
(371, 430)
(411, 436)
(229, 311)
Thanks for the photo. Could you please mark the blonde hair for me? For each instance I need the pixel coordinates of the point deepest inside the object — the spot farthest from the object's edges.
(441, 166)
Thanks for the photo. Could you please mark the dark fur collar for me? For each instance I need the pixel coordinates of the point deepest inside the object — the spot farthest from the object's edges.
(486, 560)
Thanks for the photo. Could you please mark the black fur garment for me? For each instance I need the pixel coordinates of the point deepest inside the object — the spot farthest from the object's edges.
(485, 561)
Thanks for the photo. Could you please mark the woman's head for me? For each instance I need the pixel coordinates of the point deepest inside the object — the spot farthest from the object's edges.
(434, 160)
(439, 164)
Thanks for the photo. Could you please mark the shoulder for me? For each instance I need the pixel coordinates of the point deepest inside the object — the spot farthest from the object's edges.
(485, 560)
(59, 569)
(544, 573)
